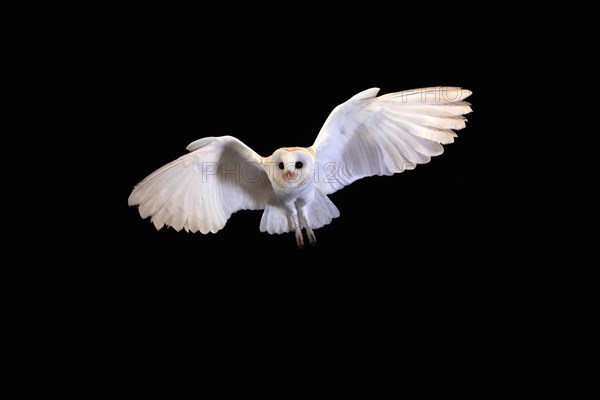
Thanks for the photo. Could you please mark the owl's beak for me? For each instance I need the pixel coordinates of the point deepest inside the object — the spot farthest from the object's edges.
(288, 174)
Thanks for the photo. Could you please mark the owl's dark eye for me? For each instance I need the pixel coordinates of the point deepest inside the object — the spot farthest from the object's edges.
(280, 165)
(299, 164)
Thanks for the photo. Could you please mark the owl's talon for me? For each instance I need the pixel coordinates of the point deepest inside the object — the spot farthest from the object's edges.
(311, 236)
(299, 238)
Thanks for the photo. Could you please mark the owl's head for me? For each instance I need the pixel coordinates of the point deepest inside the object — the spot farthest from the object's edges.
(290, 167)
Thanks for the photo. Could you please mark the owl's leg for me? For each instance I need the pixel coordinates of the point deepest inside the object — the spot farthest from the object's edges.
(296, 225)
(302, 213)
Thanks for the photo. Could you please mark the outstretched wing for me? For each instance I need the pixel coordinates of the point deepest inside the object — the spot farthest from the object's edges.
(370, 135)
(200, 190)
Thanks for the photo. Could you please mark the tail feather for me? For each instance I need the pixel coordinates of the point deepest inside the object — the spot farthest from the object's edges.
(321, 211)
(276, 218)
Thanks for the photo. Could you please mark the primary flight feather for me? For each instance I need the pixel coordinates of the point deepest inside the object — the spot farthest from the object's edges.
(364, 136)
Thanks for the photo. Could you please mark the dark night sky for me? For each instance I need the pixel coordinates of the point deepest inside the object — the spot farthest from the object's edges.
(412, 290)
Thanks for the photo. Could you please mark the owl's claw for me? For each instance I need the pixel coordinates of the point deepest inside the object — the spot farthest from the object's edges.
(299, 238)
(311, 236)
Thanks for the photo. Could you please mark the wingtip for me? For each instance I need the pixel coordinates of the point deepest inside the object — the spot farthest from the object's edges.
(131, 201)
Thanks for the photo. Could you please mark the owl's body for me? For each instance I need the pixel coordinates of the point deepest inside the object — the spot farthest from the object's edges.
(297, 203)
(362, 137)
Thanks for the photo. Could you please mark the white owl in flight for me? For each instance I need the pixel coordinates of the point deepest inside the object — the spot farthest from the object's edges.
(364, 136)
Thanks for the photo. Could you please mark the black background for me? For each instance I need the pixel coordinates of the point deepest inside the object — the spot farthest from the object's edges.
(413, 290)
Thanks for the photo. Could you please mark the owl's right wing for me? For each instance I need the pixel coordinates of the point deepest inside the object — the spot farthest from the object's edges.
(202, 189)
(369, 135)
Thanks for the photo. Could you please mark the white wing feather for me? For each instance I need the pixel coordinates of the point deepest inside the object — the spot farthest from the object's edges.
(370, 135)
(200, 190)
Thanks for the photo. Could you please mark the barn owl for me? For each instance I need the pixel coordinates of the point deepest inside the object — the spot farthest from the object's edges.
(365, 136)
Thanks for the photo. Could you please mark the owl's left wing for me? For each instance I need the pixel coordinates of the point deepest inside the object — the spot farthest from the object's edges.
(369, 135)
